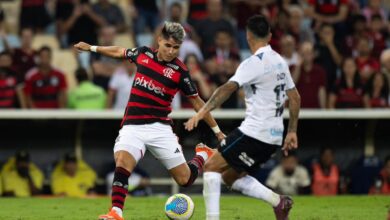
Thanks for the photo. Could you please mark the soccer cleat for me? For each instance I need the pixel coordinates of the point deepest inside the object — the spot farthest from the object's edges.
(203, 148)
(112, 215)
(281, 211)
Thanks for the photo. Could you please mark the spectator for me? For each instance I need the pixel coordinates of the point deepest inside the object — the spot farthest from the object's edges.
(197, 11)
(72, 177)
(359, 30)
(366, 63)
(199, 78)
(242, 10)
(374, 7)
(297, 27)
(382, 184)
(222, 61)
(310, 79)
(377, 92)
(7, 39)
(280, 29)
(45, 87)
(8, 94)
(378, 35)
(86, 95)
(328, 56)
(76, 21)
(289, 178)
(139, 183)
(288, 51)
(111, 13)
(33, 14)
(24, 58)
(146, 15)
(119, 86)
(385, 63)
(333, 12)
(325, 175)
(208, 27)
(20, 177)
(348, 91)
(102, 66)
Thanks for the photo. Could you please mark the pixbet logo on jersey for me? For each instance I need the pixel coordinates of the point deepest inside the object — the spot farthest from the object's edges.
(141, 81)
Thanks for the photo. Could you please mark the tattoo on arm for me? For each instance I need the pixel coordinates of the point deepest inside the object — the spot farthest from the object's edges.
(220, 95)
(294, 106)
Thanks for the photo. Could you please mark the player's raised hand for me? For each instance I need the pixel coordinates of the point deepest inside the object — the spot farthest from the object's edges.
(194, 121)
(82, 46)
(290, 142)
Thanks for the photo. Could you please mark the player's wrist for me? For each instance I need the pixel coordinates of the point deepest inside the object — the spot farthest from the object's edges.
(93, 48)
(216, 129)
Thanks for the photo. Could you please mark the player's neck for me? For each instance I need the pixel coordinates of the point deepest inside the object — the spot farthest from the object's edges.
(257, 45)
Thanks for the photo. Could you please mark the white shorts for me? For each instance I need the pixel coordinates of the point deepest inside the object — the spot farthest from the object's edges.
(158, 138)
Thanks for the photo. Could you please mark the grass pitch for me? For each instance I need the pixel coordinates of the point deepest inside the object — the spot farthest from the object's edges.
(232, 207)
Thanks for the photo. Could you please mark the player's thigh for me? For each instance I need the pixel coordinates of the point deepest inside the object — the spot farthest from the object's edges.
(164, 146)
(129, 147)
(244, 153)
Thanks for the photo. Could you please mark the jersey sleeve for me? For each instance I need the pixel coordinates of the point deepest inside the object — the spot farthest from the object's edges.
(133, 53)
(289, 81)
(186, 85)
(246, 73)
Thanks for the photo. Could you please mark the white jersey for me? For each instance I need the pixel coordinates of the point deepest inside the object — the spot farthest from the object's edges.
(265, 77)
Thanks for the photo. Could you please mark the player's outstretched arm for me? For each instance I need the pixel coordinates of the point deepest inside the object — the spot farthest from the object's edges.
(110, 51)
(198, 103)
(291, 140)
(220, 95)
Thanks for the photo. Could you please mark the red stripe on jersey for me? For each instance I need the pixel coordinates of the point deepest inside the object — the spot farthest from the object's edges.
(158, 68)
(136, 104)
(167, 90)
(146, 117)
(46, 104)
(149, 96)
(6, 103)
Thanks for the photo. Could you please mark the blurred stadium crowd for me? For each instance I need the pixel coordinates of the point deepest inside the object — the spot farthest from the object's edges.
(338, 52)
(337, 49)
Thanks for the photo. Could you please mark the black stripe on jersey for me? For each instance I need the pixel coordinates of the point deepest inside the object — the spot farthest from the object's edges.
(156, 76)
(6, 98)
(145, 121)
(166, 97)
(7, 88)
(143, 100)
(48, 97)
(147, 111)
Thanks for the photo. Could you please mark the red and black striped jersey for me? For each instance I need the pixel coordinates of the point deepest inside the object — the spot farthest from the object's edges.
(44, 89)
(154, 86)
(8, 92)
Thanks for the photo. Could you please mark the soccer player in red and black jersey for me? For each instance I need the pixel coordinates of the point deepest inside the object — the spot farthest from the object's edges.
(146, 125)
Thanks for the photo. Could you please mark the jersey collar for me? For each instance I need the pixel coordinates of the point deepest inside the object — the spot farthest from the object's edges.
(263, 49)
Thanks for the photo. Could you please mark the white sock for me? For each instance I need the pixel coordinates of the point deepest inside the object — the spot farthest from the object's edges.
(203, 155)
(249, 186)
(211, 194)
(118, 211)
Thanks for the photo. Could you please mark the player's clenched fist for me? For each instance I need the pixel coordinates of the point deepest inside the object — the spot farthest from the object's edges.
(82, 46)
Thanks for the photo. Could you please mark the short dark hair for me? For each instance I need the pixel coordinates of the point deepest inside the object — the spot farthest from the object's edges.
(259, 26)
(81, 75)
(45, 48)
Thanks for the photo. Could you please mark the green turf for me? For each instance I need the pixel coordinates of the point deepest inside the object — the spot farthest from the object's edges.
(232, 207)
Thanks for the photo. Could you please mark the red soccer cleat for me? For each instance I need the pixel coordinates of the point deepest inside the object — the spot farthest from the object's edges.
(281, 211)
(112, 215)
(203, 148)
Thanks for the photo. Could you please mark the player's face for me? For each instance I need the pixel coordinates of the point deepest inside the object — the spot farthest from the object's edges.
(167, 49)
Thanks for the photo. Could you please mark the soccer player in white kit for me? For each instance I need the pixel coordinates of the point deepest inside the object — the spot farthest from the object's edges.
(267, 83)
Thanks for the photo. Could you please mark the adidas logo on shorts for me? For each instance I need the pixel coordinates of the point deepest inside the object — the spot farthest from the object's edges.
(177, 150)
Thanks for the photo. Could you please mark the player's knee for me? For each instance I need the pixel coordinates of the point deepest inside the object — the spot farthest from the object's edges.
(210, 166)
(182, 181)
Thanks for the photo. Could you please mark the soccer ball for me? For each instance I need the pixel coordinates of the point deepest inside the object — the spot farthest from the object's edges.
(179, 207)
